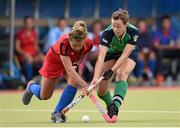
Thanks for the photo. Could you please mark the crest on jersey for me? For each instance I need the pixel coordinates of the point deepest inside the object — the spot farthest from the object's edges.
(135, 38)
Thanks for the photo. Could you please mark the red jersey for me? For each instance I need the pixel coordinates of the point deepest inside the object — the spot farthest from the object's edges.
(53, 67)
(27, 42)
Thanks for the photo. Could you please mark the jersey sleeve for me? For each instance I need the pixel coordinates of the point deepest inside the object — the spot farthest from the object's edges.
(134, 33)
(64, 49)
(106, 38)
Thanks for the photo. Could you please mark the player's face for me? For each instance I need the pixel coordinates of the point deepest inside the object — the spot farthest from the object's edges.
(76, 45)
(118, 27)
(62, 24)
(97, 28)
(166, 24)
(142, 26)
(29, 23)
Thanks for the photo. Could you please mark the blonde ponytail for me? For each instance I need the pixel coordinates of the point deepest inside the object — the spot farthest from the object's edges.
(79, 30)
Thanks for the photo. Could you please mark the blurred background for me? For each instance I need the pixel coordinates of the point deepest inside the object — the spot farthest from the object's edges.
(42, 22)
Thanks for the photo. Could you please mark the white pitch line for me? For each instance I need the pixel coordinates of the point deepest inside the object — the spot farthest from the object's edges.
(87, 127)
(151, 111)
(90, 111)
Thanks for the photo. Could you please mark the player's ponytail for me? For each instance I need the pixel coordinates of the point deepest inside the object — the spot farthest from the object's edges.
(79, 31)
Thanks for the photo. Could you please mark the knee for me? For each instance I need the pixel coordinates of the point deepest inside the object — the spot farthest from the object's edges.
(102, 89)
(101, 92)
(121, 75)
(72, 83)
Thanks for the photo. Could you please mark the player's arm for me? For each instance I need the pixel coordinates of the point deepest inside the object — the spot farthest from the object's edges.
(100, 61)
(127, 51)
(156, 44)
(18, 48)
(36, 46)
(67, 63)
(23, 53)
(103, 48)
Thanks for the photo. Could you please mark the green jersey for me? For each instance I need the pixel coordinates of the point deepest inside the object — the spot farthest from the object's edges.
(116, 45)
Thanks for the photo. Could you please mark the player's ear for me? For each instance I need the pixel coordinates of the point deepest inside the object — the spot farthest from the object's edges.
(126, 24)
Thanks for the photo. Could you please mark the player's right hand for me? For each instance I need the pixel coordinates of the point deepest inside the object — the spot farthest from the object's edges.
(84, 90)
(94, 81)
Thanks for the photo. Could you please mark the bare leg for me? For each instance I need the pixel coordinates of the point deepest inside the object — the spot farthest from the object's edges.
(47, 87)
(103, 86)
(125, 69)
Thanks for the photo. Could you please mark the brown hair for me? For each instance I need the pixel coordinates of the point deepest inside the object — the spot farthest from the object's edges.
(79, 30)
(121, 15)
(165, 17)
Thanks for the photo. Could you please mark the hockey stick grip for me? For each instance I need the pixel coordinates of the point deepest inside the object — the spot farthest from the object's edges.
(93, 85)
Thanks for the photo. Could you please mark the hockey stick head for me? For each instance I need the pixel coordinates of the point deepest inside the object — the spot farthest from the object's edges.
(101, 110)
(113, 119)
(110, 120)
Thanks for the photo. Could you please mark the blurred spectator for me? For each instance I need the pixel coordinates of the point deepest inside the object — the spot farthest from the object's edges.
(97, 27)
(27, 48)
(165, 37)
(166, 46)
(56, 32)
(146, 57)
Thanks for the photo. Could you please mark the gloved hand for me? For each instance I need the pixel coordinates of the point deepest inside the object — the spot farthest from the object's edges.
(107, 74)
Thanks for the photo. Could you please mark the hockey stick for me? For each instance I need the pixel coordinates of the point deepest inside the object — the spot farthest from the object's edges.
(102, 111)
(80, 97)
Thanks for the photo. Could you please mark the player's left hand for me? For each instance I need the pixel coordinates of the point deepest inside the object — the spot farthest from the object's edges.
(107, 75)
(84, 91)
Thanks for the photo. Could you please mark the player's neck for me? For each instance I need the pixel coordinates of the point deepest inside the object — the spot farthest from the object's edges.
(122, 36)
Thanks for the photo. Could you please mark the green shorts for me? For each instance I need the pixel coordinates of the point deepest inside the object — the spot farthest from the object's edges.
(115, 56)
